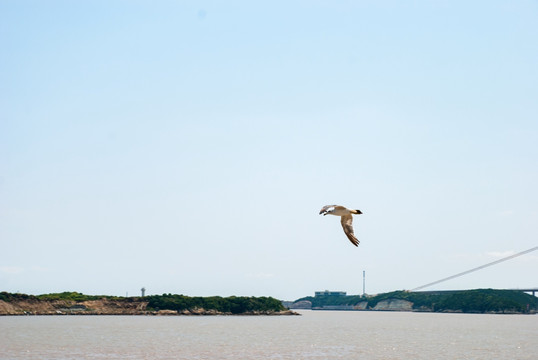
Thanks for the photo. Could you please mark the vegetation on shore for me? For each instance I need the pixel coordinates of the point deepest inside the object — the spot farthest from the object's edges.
(232, 304)
(74, 302)
(466, 301)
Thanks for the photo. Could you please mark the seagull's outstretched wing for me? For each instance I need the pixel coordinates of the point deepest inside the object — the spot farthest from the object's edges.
(347, 224)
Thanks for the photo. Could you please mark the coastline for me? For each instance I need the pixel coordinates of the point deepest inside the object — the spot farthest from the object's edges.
(476, 301)
(20, 305)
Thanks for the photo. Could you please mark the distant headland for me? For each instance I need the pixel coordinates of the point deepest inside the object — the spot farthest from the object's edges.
(74, 303)
(481, 301)
(484, 301)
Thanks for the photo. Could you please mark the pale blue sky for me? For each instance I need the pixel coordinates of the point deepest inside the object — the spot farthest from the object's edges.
(187, 146)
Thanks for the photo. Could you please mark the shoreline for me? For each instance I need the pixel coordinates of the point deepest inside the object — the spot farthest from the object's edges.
(81, 305)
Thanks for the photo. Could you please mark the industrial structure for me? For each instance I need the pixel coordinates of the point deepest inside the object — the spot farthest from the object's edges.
(330, 293)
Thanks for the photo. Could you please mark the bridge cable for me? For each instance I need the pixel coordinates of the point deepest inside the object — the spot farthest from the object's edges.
(477, 268)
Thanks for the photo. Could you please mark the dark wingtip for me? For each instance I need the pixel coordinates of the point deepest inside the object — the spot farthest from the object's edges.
(359, 212)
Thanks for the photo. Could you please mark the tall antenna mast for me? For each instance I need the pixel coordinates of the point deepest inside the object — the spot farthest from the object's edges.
(363, 283)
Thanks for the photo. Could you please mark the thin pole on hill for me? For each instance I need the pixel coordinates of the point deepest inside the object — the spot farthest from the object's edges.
(477, 268)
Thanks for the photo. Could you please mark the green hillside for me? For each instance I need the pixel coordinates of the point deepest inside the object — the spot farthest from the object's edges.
(232, 304)
(68, 302)
(467, 301)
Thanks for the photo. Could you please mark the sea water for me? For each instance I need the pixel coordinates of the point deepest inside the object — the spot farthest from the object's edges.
(314, 335)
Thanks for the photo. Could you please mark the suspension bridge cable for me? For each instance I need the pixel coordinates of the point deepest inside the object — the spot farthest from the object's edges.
(477, 268)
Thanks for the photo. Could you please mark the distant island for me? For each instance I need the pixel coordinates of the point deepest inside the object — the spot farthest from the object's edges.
(466, 301)
(74, 303)
(482, 301)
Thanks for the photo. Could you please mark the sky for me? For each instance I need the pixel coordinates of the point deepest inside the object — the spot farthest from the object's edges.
(188, 146)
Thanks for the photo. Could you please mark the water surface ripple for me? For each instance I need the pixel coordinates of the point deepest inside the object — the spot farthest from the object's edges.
(315, 335)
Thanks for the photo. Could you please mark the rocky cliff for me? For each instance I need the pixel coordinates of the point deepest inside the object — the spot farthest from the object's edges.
(104, 306)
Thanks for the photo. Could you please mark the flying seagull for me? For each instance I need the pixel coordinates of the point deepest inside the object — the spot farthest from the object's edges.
(346, 218)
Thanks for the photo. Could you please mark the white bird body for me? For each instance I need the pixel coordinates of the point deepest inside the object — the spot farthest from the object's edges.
(346, 219)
